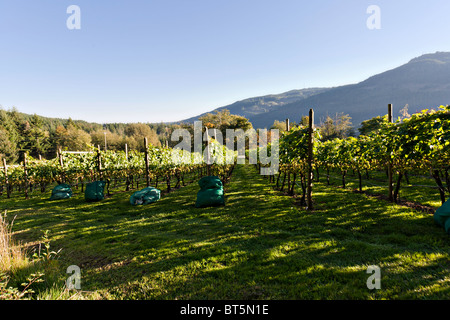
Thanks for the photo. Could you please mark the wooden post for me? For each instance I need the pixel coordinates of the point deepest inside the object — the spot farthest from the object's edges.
(25, 171)
(147, 171)
(288, 127)
(390, 173)
(208, 154)
(128, 176)
(61, 163)
(60, 158)
(8, 190)
(99, 161)
(310, 159)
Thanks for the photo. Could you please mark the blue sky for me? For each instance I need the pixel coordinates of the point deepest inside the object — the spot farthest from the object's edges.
(166, 60)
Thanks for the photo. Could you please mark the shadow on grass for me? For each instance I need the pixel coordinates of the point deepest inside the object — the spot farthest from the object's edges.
(259, 246)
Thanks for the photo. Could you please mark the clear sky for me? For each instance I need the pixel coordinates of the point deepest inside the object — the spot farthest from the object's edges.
(167, 60)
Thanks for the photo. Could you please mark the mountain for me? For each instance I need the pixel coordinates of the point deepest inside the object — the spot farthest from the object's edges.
(422, 83)
(260, 105)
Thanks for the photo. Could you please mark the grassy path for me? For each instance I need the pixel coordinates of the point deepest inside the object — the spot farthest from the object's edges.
(259, 246)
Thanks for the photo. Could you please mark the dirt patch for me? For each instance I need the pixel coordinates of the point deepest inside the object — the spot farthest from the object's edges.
(114, 265)
(94, 261)
(84, 260)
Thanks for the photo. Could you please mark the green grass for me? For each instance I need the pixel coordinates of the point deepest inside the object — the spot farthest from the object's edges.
(421, 189)
(259, 246)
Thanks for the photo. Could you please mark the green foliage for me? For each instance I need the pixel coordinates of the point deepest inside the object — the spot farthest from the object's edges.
(40, 136)
(372, 125)
(13, 293)
(420, 143)
(45, 254)
(39, 273)
(280, 125)
(294, 149)
(163, 163)
(222, 120)
(339, 127)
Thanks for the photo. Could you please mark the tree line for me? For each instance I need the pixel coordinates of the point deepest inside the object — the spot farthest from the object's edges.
(42, 136)
(340, 126)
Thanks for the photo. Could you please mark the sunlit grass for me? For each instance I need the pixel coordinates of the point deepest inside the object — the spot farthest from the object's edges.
(259, 246)
(12, 255)
(420, 189)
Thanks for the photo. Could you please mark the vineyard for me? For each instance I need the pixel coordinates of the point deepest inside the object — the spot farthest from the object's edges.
(130, 169)
(268, 241)
(418, 146)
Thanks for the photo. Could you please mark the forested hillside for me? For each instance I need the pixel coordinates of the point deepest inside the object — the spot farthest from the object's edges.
(42, 136)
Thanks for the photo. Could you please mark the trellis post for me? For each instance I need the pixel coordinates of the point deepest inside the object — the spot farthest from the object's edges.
(99, 161)
(25, 171)
(61, 163)
(390, 173)
(147, 171)
(310, 158)
(8, 190)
